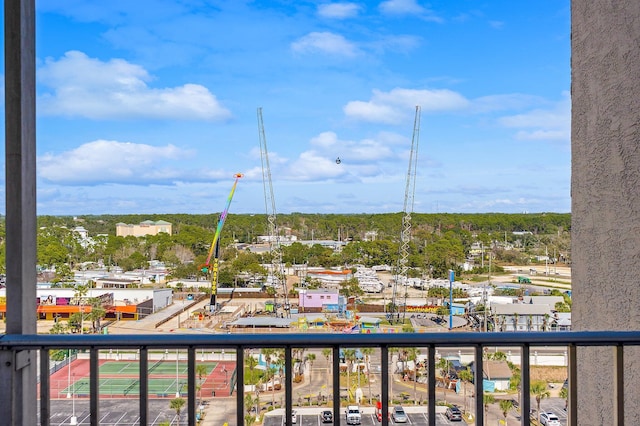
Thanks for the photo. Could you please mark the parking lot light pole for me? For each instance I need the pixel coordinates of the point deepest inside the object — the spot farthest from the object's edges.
(177, 377)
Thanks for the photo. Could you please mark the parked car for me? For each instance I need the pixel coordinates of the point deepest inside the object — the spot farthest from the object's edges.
(398, 414)
(454, 414)
(294, 417)
(326, 416)
(549, 419)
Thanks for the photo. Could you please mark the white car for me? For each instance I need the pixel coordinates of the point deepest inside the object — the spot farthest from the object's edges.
(549, 419)
(294, 416)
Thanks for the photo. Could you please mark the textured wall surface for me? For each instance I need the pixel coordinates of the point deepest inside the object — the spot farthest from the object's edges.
(605, 190)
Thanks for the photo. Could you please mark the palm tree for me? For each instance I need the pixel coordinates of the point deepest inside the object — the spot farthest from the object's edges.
(310, 358)
(412, 355)
(251, 362)
(487, 399)
(564, 394)
(96, 314)
(201, 370)
(269, 355)
(349, 357)
(367, 355)
(539, 390)
(177, 404)
(443, 365)
(506, 405)
(466, 376)
(248, 405)
(327, 353)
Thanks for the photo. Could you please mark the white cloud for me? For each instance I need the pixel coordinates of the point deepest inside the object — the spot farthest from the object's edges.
(88, 87)
(325, 42)
(391, 107)
(543, 124)
(397, 44)
(338, 10)
(103, 161)
(408, 7)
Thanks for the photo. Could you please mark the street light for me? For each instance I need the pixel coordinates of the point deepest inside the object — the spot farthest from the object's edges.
(69, 373)
(74, 419)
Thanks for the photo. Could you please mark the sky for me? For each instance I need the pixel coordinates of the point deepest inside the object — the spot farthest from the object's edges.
(150, 106)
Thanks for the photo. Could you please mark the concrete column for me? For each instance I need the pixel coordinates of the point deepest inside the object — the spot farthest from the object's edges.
(18, 371)
(605, 183)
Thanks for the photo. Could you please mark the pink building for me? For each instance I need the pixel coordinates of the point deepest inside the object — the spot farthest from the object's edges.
(318, 300)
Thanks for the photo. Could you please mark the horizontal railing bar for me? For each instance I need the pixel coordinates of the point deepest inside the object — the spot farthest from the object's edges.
(224, 341)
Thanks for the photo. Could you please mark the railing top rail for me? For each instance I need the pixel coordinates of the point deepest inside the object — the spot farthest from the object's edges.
(176, 341)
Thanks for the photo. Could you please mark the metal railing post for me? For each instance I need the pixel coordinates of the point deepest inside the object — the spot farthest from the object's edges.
(191, 385)
(94, 386)
(288, 391)
(618, 387)
(384, 379)
(525, 388)
(479, 386)
(240, 385)
(144, 386)
(335, 374)
(431, 379)
(45, 383)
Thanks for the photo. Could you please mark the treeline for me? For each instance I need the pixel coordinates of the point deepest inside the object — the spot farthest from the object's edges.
(245, 227)
(439, 241)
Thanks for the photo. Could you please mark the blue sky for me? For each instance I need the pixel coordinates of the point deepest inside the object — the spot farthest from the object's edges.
(149, 106)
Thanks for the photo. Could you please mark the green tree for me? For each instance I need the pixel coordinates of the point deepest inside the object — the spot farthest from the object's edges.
(177, 404)
(506, 405)
(540, 391)
(564, 394)
(487, 399)
(96, 314)
(351, 287)
(466, 376)
(311, 357)
(327, 353)
(201, 370)
(412, 354)
(349, 357)
(367, 352)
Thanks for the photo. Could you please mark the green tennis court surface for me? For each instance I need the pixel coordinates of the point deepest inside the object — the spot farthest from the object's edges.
(123, 386)
(162, 367)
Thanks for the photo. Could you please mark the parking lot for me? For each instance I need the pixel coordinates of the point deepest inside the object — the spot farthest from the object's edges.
(312, 418)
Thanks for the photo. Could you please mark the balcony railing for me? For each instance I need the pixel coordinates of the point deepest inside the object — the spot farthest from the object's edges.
(21, 344)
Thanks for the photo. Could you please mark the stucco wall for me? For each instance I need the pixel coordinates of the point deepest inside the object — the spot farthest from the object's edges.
(606, 196)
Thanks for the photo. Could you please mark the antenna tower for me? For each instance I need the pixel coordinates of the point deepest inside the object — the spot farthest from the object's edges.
(277, 268)
(405, 236)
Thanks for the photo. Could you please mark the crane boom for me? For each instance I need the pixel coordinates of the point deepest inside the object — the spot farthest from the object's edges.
(277, 269)
(211, 265)
(405, 235)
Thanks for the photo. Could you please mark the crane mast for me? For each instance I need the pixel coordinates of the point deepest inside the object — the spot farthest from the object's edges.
(405, 235)
(277, 268)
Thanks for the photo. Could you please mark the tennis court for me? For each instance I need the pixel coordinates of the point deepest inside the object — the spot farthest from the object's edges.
(120, 379)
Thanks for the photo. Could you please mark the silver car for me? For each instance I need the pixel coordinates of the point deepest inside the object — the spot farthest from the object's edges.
(398, 415)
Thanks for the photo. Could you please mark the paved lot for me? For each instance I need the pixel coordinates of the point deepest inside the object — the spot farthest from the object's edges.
(113, 412)
(311, 417)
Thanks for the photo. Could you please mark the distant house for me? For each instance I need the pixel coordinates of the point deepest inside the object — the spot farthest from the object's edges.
(148, 227)
(110, 282)
(522, 316)
(496, 372)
